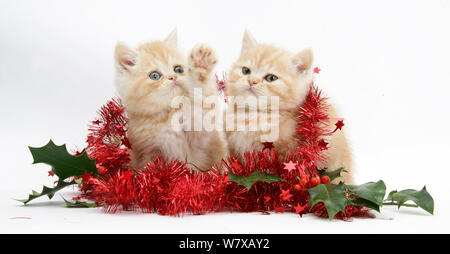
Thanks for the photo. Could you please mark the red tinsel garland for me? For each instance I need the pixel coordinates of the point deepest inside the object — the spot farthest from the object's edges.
(170, 188)
(107, 139)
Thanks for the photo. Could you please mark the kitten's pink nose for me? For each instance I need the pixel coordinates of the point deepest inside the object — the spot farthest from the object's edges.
(252, 82)
(172, 78)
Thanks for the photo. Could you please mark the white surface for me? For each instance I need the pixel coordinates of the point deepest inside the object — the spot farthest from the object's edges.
(385, 63)
(53, 217)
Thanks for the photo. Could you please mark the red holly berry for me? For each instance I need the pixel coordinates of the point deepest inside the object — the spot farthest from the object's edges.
(304, 176)
(325, 179)
(101, 169)
(304, 182)
(93, 180)
(297, 187)
(315, 180)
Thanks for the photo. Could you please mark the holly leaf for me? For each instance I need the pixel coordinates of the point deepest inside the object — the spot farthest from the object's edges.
(370, 194)
(46, 191)
(366, 203)
(255, 176)
(421, 198)
(333, 174)
(332, 195)
(78, 204)
(63, 164)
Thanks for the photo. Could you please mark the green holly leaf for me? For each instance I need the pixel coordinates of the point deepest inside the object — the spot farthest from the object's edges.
(78, 204)
(46, 191)
(255, 176)
(366, 203)
(370, 194)
(333, 174)
(421, 198)
(332, 195)
(63, 164)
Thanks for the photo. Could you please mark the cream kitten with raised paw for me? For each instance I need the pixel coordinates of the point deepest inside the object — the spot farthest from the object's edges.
(264, 70)
(148, 79)
(212, 142)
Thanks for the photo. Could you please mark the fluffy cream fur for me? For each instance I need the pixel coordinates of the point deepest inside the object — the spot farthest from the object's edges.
(148, 102)
(294, 76)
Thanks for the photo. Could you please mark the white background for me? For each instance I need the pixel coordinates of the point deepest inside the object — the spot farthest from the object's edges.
(385, 63)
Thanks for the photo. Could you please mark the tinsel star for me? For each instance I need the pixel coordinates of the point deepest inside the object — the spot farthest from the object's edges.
(317, 70)
(339, 124)
(267, 145)
(285, 195)
(290, 165)
(298, 208)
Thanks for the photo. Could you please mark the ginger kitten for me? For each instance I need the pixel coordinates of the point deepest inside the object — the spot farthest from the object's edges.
(148, 79)
(264, 70)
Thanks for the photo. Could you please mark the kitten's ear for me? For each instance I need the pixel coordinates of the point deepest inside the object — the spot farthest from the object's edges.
(248, 41)
(125, 56)
(172, 39)
(303, 61)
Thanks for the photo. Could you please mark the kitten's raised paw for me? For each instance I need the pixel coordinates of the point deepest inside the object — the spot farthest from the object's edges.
(202, 60)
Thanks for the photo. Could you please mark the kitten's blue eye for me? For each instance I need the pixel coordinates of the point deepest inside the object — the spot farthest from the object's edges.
(154, 75)
(178, 69)
(270, 78)
(245, 70)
